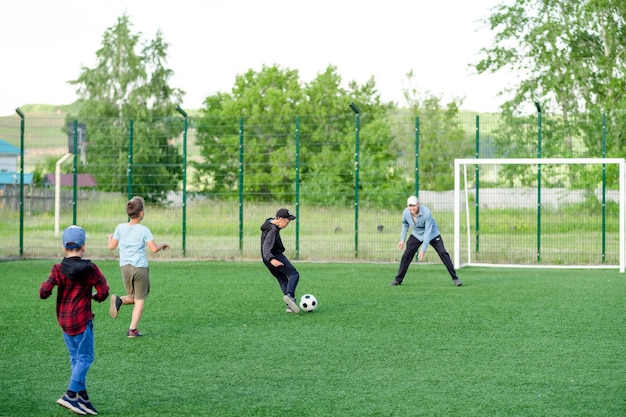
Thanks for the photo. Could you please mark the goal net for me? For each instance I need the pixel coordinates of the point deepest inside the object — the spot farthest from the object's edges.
(540, 212)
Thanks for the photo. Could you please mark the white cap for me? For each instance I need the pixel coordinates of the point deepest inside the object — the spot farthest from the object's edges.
(412, 201)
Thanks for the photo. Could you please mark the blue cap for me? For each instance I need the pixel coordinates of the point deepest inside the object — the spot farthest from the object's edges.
(74, 237)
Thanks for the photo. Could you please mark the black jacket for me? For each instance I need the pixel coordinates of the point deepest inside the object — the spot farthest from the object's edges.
(270, 240)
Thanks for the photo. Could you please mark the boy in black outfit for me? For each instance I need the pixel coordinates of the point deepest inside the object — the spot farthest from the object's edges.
(272, 253)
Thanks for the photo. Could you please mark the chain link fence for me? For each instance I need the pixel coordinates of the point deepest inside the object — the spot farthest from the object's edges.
(210, 183)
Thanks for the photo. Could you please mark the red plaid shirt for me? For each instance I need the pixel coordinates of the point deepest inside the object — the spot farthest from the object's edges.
(75, 278)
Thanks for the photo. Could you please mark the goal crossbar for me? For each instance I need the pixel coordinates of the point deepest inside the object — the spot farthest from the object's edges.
(464, 162)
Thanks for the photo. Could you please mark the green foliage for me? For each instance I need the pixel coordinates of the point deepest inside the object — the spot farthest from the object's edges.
(511, 342)
(570, 55)
(577, 136)
(571, 58)
(441, 137)
(130, 83)
(48, 166)
(272, 104)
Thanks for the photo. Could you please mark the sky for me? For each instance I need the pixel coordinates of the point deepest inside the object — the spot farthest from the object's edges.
(44, 44)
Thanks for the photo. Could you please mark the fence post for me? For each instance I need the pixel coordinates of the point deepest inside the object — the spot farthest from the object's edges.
(241, 127)
(538, 181)
(75, 172)
(129, 161)
(477, 185)
(416, 190)
(603, 188)
(357, 128)
(21, 114)
(417, 156)
(184, 237)
(297, 187)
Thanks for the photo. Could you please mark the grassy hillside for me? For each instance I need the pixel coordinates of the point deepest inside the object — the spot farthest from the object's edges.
(53, 110)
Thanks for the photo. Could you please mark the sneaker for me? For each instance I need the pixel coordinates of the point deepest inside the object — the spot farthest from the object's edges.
(133, 333)
(288, 310)
(457, 282)
(114, 305)
(71, 404)
(394, 282)
(291, 302)
(87, 406)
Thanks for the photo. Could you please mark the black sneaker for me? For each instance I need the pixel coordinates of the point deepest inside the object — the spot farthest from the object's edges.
(87, 406)
(291, 302)
(394, 282)
(114, 305)
(457, 282)
(71, 404)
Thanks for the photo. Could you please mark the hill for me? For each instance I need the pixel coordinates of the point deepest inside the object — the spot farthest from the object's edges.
(73, 108)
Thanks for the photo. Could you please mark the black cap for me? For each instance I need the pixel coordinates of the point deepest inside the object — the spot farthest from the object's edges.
(285, 214)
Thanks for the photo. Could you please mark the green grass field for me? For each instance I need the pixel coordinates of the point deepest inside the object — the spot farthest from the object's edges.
(511, 342)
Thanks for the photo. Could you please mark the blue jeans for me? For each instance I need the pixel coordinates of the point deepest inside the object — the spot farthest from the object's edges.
(81, 349)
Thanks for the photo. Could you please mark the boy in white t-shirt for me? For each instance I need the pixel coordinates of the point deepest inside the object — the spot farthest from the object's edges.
(132, 239)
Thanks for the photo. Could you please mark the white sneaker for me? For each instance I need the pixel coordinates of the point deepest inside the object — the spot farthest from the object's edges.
(291, 302)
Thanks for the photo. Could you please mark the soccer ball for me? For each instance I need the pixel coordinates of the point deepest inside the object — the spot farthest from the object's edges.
(308, 302)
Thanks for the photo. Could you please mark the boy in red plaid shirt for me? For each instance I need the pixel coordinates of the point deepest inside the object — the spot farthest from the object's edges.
(75, 278)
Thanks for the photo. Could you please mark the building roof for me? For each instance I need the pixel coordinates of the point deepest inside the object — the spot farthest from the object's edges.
(13, 178)
(8, 149)
(67, 180)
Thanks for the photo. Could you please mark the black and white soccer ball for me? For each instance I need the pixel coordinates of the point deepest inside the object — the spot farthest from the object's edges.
(308, 302)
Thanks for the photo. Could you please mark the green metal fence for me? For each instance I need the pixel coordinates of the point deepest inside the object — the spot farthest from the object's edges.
(210, 183)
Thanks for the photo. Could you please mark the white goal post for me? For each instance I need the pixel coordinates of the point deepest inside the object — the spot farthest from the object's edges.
(509, 229)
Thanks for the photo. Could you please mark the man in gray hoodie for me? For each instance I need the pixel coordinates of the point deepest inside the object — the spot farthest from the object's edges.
(272, 253)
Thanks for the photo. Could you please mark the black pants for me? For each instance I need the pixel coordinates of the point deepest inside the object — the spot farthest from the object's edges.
(286, 275)
(413, 244)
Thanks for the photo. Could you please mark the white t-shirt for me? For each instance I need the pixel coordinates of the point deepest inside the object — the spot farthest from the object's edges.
(132, 241)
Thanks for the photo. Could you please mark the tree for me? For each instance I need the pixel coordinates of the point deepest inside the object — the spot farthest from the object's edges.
(128, 88)
(328, 147)
(269, 101)
(571, 59)
(441, 137)
(570, 55)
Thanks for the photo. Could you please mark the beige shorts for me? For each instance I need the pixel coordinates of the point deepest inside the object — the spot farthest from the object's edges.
(136, 281)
